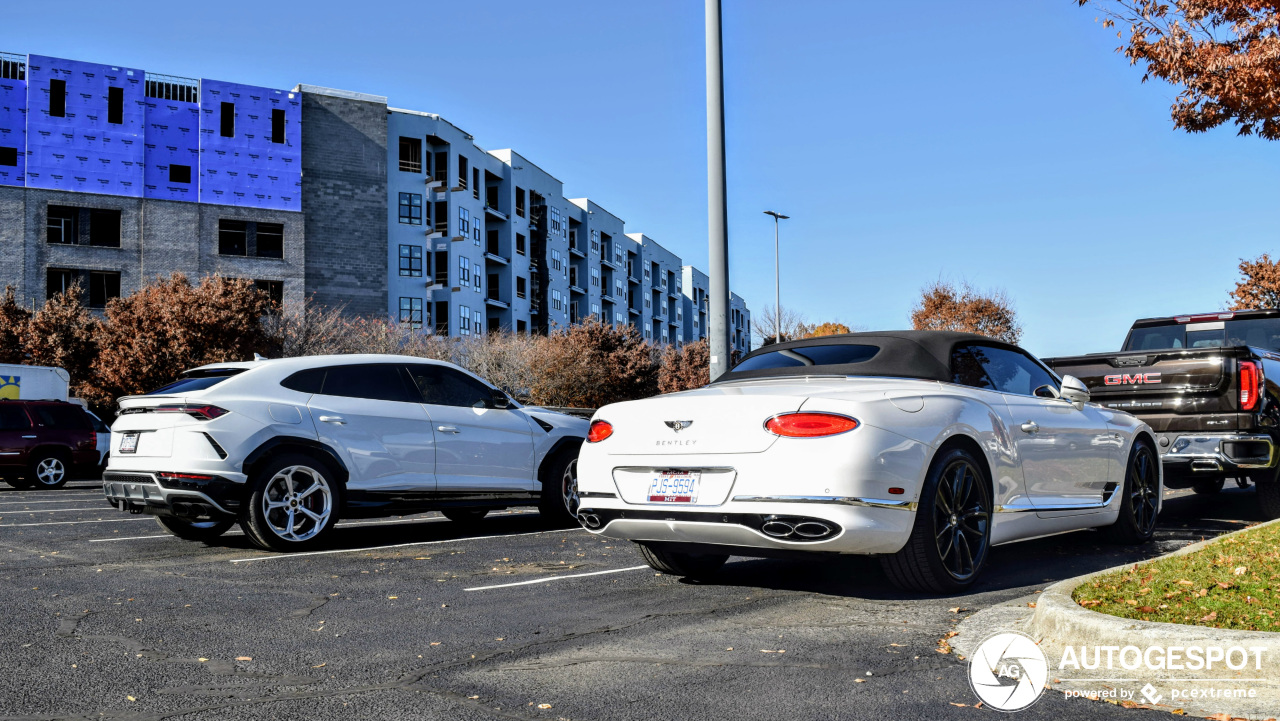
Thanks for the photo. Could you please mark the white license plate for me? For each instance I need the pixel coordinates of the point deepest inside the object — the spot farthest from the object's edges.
(129, 443)
(674, 487)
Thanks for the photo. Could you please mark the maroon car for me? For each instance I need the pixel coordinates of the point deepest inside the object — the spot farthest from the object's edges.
(45, 443)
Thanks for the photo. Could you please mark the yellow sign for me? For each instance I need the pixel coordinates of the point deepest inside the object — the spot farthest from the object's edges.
(9, 386)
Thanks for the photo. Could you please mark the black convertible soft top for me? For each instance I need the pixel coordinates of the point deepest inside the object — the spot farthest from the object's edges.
(924, 354)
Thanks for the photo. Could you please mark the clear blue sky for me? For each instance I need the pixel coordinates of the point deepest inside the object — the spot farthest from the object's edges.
(1002, 142)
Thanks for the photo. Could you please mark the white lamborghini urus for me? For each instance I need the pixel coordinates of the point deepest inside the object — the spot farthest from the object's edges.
(925, 448)
(287, 447)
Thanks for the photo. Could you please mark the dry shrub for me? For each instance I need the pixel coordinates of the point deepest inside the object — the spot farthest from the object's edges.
(593, 364)
(686, 368)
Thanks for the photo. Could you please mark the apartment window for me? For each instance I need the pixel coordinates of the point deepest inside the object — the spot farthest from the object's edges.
(521, 287)
(411, 311)
(557, 300)
(9, 156)
(270, 240)
(478, 320)
(557, 262)
(520, 202)
(648, 303)
(475, 232)
(59, 281)
(103, 286)
(477, 280)
(227, 126)
(441, 216)
(595, 309)
(464, 320)
(520, 244)
(475, 183)
(233, 237)
(62, 225)
(57, 98)
(277, 126)
(464, 222)
(595, 241)
(411, 208)
(274, 290)
(115, 106)
(464, 271)
(104, 228)
(410, 155)
(621, 290)
(411, 261)
(595, 277)
(557, 226)
(617, 255)
(618, 319)
(462, 172)
(646, 274)
(179, 173)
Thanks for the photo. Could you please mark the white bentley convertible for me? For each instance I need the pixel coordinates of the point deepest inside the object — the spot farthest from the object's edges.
(923, 447)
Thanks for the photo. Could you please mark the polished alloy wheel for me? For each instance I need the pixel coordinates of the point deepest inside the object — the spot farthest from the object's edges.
(961, 520)
(1143, 490)
(297, 503)
(569, 488)
(51, 471)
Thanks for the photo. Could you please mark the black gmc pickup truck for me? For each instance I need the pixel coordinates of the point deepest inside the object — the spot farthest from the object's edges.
(1209, 386)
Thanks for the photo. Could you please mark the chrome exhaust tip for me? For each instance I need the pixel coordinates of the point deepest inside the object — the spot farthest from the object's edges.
(777, 529)
(812, 529)
(589, 519)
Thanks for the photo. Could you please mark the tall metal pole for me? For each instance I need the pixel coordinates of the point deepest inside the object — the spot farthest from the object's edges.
(777, 285)
(717, 204)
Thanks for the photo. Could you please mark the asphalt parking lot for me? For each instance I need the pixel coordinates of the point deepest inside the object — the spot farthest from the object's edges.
(108, 617)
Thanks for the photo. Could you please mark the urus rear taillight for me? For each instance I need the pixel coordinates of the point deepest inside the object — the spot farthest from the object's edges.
(810, 425)
(600, 430)
(203, 412)
(1250, 385)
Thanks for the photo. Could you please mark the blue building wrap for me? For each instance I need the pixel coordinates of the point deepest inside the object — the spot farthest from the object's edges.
(257, 163)
(82, 151)
(248, 168)
(13, 129)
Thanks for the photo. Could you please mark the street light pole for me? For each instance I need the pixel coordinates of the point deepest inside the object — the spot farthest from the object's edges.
(777, 277)
(717, 205)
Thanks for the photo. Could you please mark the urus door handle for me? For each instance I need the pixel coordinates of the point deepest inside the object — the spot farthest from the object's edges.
(336, 420)
(448, 429)
(28, 436)
(1030, 427)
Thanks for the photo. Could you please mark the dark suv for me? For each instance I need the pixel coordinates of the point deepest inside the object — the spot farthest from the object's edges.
(45, 443)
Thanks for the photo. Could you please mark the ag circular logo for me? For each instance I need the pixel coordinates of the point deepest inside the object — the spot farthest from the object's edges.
(1008, 672)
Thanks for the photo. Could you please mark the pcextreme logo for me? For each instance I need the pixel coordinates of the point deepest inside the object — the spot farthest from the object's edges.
(1125, 379)
(1008, 672)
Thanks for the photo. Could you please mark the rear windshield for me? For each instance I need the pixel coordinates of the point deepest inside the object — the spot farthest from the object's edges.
(193, 382)
(814, 355)
(1255, 332)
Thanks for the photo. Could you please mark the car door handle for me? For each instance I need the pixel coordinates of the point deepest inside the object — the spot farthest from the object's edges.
(1030, 427)
(29, 436)
(448, 429)
(339, 420)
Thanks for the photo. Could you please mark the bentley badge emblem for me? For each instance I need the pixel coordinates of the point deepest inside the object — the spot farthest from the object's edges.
(678, 426)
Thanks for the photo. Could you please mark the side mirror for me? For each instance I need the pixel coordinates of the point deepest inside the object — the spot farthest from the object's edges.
(1046, 391)
(500, 399)
(1074, 390)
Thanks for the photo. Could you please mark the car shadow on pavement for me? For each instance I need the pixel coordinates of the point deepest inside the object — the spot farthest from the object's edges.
(1012, 569)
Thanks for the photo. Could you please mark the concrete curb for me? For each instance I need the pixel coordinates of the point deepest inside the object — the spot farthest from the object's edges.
(1059, 622)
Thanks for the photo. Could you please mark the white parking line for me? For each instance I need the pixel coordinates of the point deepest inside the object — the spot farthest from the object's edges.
(16, 511)
(397, 545)
(69, 523)
(64, 500)
(555, 578)
(135, 538)
(339, 525)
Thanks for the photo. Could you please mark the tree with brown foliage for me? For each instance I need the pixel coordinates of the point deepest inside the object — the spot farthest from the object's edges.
(1223, 54)
(63, 334)
(592, 364)
(959, 307)
(828, 328)
(13, 323)
(1260, 285)
(772, 321)
(686, 368)
(153, 335)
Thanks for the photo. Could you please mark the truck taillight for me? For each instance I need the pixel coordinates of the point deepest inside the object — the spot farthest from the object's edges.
(1250, 385)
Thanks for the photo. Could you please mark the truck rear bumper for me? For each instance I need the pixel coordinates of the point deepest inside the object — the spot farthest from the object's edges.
(1205, 454)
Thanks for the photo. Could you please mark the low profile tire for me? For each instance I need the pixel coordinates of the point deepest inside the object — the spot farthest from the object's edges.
(951, 537)
(1269, 498)
(293, 503)
(559, 502)
(195, 530)
(1140, 501)
(49, 469)
(465, 515)
(1208, 486)
(681, 564)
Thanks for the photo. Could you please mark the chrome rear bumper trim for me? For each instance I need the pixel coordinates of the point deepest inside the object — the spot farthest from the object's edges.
(903, 505)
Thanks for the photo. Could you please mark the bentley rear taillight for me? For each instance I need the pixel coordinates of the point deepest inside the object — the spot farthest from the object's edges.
(1250, 385)
(809, 425)
(600, 430)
